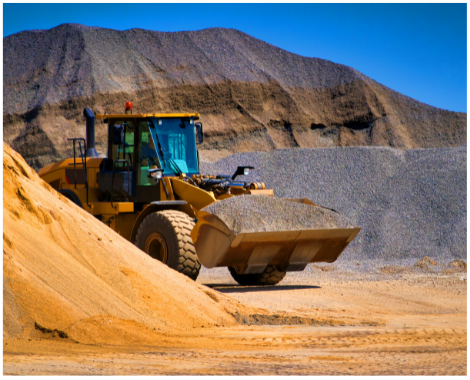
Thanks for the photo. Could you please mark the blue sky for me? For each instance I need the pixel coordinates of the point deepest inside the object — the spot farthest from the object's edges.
(419, 50)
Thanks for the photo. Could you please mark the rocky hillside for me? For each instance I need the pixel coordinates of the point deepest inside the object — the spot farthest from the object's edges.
(251, 95)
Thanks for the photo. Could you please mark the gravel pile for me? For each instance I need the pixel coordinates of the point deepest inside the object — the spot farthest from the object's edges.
(261, 213)
(409, 204)
(251, 95)
(73, 60)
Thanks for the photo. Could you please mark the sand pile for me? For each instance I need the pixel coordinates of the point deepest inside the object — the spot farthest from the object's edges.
(261, 213)
(66, 271)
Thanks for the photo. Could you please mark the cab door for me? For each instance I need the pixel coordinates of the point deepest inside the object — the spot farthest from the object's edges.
(147, 189)
(122, 152)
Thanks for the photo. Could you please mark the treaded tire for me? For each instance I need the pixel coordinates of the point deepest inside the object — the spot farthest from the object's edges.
(270, 276)
(175, 228)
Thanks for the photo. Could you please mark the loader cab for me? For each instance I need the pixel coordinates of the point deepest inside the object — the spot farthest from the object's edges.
(139, 143)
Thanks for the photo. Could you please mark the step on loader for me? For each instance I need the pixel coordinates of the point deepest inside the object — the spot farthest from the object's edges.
(149, 189)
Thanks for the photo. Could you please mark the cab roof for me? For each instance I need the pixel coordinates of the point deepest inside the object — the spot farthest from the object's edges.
(145, 115)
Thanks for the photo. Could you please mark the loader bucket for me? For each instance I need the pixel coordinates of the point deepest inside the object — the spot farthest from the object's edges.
(250, 252)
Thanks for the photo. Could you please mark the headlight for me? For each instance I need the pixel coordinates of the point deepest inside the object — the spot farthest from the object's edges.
(246, 171)
(156, 175)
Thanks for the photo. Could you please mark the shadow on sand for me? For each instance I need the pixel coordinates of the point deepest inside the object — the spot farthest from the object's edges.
(232, 288)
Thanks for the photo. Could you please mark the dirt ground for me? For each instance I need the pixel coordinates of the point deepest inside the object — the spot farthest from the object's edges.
(413, 324)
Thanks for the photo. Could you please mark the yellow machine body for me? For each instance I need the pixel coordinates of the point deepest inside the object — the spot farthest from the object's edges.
(216, 245)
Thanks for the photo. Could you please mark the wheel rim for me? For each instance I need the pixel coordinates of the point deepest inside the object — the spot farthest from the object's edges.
(156, 247)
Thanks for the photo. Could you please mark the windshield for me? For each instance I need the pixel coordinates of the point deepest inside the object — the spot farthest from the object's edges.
(175, 143)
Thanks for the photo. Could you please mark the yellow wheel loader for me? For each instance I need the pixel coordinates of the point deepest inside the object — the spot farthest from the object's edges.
(149, 189)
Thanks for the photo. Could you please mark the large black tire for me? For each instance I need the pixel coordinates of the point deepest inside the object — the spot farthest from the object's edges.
(166, 236)
(271, 275)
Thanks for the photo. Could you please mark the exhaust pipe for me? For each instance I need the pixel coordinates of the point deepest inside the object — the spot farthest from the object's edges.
(90, 133)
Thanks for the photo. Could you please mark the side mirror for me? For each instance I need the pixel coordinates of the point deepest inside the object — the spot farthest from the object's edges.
(199, 133)
(242, 170)
(155, 173)
(118, 134)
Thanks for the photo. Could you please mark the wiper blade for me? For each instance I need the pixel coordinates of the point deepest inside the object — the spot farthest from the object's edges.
(175, 165)
(160, 150)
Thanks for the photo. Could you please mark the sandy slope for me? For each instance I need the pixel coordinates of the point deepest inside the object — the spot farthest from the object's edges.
(65, 270)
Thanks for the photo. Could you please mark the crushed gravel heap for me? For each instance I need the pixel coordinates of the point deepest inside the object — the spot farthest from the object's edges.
(262, 213)
(409, 204)
(250, 94)
(73, 60)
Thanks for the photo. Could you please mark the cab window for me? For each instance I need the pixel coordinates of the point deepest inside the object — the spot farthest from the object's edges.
(123, 151)
(147, 155)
